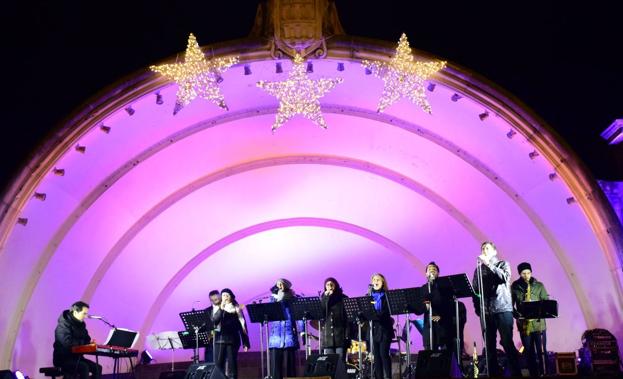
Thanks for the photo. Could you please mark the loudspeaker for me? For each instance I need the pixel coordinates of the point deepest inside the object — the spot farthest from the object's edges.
(325, 365)
(436, 364)
(204, 371)
(177, 374)
(7, 374)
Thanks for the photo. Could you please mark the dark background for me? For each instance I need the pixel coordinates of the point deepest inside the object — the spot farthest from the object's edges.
(562, 60)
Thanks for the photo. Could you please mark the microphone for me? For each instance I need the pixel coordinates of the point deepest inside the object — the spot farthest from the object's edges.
(195, 302)
(370, 288)
(95, 317)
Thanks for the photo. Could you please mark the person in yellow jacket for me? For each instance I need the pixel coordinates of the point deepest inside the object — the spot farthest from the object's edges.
(532, 332)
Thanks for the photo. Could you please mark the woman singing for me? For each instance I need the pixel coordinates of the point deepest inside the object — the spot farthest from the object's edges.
(335, 334)
(382, 328)
(283, 341)
(230, 319)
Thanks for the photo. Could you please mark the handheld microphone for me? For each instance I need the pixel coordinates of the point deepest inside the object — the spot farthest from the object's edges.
(370, 288)
(95, 317)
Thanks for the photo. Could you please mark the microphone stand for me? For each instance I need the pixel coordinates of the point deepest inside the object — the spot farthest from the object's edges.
(483, 317)
(102, 319)
(430, 316)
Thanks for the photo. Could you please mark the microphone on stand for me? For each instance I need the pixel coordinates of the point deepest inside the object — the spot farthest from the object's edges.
(370, 287)
(195, 302)
(95, 317)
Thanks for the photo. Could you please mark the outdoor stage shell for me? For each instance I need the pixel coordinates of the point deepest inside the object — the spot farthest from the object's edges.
(162, 209)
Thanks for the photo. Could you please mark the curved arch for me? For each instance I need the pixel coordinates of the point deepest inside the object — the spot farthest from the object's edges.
(355, 164)
(168, 289)
(353, 111)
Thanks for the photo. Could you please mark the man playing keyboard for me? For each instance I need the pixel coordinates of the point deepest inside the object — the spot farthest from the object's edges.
(72, 331)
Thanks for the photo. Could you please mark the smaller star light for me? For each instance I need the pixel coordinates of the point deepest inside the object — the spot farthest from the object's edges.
(299, 95)
(403, 77)
(197, 76)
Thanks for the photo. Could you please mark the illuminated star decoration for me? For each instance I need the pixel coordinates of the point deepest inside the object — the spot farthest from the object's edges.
(403, 77)
(299, 95)
(197, 76)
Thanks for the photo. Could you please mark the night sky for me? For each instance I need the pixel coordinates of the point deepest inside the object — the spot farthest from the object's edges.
(563, 61)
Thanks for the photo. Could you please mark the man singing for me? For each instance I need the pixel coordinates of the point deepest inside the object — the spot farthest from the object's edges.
(498, 307)
(71, 331)
(442, 310)
(215, 299)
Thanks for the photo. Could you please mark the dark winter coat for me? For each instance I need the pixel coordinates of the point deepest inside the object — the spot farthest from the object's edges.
(383, 327)
(496, 277)
(335, 332)
(537, 292)
(231, 330)
(69, 332)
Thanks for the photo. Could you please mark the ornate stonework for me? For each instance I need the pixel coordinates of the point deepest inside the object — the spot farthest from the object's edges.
(297, 26)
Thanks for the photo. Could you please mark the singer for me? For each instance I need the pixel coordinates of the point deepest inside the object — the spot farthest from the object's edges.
(72, 331)
(382, 331)
(498, 307)
(233, 328)
(283, 341)
(442, 325)
(335, 331)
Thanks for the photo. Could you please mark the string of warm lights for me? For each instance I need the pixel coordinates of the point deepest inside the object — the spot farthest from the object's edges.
(298, 95)
(197, 76)
(403, 77)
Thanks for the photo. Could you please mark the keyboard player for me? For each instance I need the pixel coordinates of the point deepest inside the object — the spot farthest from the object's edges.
(71, 331)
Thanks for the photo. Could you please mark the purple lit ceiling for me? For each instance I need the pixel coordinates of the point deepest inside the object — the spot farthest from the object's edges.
(163, 209)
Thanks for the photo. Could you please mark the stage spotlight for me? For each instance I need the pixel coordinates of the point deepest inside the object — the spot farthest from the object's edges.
(20, 375)
(310, 67)
(105, 129)
(40, 196)
(570, 200)
(22, 221)
(59, 171)
(159, 99)
(130, 110)
(455, 97)
(340, 66)
(367, 71)
(146, 358)
(247, 69)
(431, 87)
(552, 176)
(278, 68)
(511, 133)
(483, 116)
(614, 133)
(219, 79)
(81, 149)
(533, 154)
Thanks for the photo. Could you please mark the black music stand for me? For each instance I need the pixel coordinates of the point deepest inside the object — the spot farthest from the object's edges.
(197, 322)
(531, 310)
(263, 313)
(405, 301)
(306, 309)
(459, 287)
(359, 310)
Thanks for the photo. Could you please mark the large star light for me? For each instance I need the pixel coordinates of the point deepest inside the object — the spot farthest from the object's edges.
(299, 95)
(197, 76)
(403, 77)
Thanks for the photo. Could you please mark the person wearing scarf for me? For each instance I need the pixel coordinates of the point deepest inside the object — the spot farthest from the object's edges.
(229, 318)
(382, 327)
(283, 341)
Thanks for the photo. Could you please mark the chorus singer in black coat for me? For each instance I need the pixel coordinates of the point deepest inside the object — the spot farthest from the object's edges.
(382, 327)
(335, 331)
